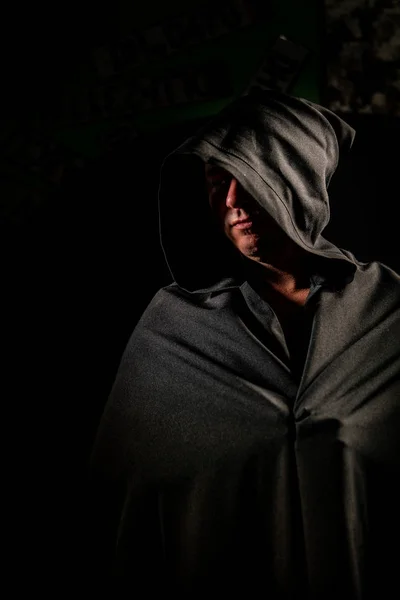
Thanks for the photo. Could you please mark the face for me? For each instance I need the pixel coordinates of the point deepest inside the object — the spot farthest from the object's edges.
(252, 231)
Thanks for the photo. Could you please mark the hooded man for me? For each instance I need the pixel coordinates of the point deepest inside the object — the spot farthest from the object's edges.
(250, 444)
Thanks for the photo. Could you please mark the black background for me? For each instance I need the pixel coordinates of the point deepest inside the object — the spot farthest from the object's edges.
(79, 271)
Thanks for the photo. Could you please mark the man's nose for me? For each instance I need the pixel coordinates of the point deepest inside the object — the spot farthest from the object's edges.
(232, 198)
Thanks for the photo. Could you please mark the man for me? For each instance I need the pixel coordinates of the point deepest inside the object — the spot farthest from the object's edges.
(284, 279)
(250, 442)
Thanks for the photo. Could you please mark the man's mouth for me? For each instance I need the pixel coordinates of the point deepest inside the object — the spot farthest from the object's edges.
(242, 223)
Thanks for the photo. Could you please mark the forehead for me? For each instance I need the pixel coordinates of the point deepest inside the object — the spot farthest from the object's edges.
(214, 171)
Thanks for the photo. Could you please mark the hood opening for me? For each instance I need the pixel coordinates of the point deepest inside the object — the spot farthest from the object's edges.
(283, 151)
(197, 254)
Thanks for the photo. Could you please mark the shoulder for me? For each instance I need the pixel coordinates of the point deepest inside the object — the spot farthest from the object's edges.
(168, 301)
(374, 290)
(378, 274)
(171, 310)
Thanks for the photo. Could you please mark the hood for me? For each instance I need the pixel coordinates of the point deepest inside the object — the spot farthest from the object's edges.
(283, 150)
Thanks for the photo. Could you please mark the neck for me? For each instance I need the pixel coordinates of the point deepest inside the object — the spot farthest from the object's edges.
(290, 283)
(290, 275)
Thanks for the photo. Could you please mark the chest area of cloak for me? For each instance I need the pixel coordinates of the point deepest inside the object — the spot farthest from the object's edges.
(230, 353)
(208, 381)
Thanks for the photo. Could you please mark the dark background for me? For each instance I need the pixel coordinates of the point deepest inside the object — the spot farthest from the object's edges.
(80, 267)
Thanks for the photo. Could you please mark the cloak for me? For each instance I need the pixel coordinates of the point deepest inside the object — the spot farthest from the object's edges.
(223, 462)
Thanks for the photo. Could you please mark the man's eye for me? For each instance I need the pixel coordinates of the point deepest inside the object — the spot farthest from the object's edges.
(219, 184)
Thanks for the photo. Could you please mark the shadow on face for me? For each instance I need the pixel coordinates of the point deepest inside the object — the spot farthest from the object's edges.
(249, 227)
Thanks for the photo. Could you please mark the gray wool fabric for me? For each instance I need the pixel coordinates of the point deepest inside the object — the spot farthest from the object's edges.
(229, 466)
